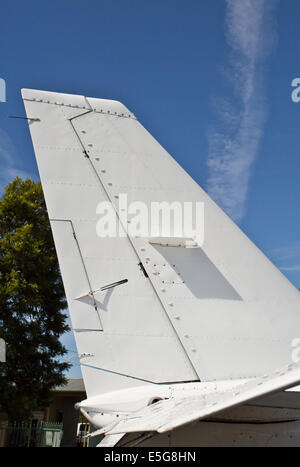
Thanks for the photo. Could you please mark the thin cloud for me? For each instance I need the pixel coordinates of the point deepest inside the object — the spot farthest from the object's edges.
(288, 256)
(234, 143)
(294, 268)
(287, 252)
(8, 168)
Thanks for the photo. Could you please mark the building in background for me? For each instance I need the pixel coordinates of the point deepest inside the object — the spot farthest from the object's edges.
(61, 409)
(61, 414)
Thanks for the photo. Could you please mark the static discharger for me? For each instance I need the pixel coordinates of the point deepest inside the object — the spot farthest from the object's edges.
(24, 118)
(102, 289)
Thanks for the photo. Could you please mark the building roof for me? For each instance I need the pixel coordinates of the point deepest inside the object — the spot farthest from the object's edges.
(73, 384)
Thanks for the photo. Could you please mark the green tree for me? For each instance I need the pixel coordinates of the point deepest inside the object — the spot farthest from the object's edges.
(31, 302)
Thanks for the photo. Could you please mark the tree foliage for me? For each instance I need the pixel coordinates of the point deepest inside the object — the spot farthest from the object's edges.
(31, 302)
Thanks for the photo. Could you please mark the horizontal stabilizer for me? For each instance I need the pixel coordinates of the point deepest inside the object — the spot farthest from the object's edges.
(110, 441)
(171, 413)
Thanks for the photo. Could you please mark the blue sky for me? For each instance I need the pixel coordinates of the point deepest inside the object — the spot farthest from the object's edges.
(210, 79)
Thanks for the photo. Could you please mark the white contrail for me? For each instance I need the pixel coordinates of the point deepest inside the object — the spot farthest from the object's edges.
(234, 142)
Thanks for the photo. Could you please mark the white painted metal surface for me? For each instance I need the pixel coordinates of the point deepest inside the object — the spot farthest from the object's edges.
(125, 331)
(193, 404)
(212, 434)
(219, 312)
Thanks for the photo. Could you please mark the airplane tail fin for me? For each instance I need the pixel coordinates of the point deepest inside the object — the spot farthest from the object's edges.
(150, 308)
